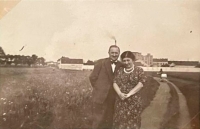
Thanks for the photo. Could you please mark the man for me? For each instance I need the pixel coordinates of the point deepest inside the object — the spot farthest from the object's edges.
(103, 95)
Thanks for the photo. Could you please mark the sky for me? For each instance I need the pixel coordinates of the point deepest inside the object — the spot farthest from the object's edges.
(86, 28)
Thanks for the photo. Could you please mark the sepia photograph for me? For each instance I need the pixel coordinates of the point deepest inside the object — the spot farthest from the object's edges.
(99, 64)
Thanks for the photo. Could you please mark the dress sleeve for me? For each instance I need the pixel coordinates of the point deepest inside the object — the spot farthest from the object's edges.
(141, 76)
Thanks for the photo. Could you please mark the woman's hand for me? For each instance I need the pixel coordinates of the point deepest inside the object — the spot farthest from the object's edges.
(127, 95)
(122, 96)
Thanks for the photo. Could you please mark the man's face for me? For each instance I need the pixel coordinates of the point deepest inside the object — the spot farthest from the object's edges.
(113, 53)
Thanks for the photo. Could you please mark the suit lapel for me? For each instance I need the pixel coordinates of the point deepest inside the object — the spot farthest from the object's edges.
(109, 68)
(117, 67)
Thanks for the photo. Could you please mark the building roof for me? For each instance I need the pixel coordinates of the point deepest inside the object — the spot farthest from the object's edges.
(50, 62)
(160, 60)
(185, 63)
(66, 60)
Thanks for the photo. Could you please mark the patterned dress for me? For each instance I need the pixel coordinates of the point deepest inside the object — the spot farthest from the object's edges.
(128, 112)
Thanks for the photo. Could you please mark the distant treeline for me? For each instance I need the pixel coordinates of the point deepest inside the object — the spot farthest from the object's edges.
(21, 60)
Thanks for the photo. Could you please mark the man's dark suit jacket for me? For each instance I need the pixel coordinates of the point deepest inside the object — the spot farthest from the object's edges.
(102, 79)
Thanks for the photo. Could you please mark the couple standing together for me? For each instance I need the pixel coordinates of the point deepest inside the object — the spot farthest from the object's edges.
(116, 91)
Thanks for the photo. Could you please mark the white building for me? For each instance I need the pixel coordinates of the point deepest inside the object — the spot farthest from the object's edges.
(146, 60)
(67, 63)
(51, 63)
(160, 62)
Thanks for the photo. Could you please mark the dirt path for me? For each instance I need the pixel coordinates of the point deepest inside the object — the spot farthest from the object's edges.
(152, 116)
(184, 116)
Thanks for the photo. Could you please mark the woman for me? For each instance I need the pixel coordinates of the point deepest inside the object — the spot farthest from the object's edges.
(127, 83)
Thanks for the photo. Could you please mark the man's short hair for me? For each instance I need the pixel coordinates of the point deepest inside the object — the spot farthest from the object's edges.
(112, 47)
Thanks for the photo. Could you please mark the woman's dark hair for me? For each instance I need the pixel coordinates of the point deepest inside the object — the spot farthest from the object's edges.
(128, 54)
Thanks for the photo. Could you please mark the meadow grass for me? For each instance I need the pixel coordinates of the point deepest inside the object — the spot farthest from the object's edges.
(47, 98)
(190, 76)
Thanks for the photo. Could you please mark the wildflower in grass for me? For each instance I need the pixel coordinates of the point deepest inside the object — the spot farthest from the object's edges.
(4, 114)
(4, 119)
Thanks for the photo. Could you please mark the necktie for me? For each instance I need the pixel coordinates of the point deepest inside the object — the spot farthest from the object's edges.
(114, 62)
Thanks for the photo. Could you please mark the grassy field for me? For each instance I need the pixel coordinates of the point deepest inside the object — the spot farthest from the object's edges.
(190, 76)
(46, 98)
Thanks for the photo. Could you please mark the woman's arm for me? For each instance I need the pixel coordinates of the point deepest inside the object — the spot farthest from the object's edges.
(135, 89)
(116, 87)
(141, 81)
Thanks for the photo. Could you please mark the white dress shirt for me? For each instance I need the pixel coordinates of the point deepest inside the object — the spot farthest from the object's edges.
(113, 66)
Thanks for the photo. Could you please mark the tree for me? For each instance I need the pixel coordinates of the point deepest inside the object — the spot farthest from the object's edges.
(34, 58)
(2, 60)
(9, 59)
(198, 65)
(17, 59)
(41, 60)
(23, 60)
(89, 62)
(28, 60)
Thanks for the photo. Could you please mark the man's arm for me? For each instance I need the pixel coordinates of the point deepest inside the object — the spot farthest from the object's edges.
(95, 73)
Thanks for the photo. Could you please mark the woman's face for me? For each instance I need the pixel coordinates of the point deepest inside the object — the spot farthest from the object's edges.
(128, 62)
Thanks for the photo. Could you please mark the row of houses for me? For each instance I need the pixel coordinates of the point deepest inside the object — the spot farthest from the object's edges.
(166, 63)
(77, 64)
(148, 60)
